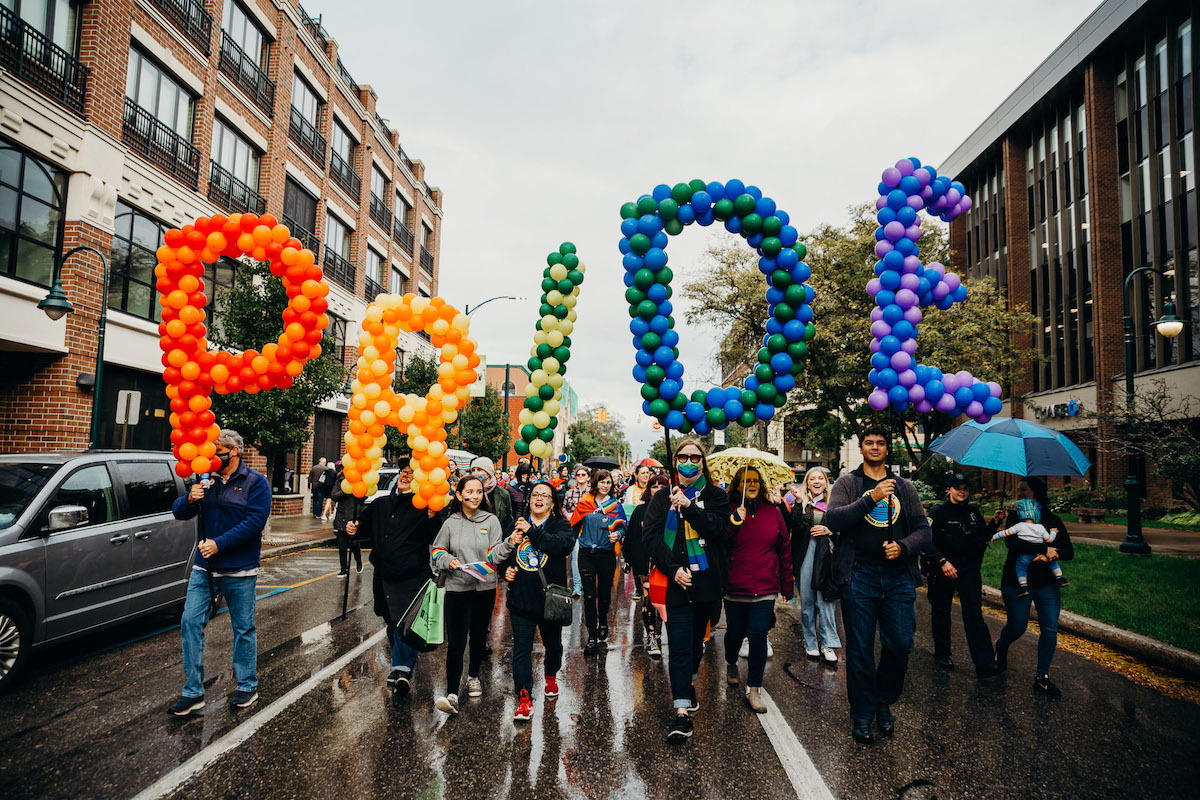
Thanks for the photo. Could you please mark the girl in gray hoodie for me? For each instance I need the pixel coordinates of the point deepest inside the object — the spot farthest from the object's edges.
(469, 546)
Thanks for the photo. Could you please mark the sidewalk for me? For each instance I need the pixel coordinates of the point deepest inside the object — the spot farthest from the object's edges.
(284, 534)
(1163, 542)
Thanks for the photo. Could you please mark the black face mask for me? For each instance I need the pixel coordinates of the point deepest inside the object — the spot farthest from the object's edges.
(218, 462)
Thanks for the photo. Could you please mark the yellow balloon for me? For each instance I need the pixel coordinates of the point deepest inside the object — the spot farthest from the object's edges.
(374, 454)
(551, 407)
(371, 478)
(436, 449)
(437, 475)
(530, 389)
(463, 393)
(554, 338)
(557, 394)
(382, 408)
(525, 417)
(370, 353)
(538, 377)
(367, 418)
(349, 438)
(554, 297)
(406, 413)
(375, 313)
(540, 337)
(581, 268)
(459, 361)
(550, 323)
(418, 305)
(449, 403)
(420, 474)
(347, 487)
(541, 419)
(372, 390)
(551, 365)
(439, 327)
(566, 326)
(449, 416)
(558, 272)
(379, 367)
(461, 322)
(572, 315)
(359, 400)
(444, 369)
(570, 301)
(556, 380)
(533, 351)
(420, 443)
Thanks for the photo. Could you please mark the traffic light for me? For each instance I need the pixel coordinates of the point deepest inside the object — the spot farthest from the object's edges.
(602, 414)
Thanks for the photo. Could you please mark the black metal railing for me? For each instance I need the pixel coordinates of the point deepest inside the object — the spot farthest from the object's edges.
(372, 289)
(306, 236)
(237, 64)
(426, 261)
(344, 176)
(383, 123)
(232, 194)
(403, 235)
(404, 157)
(45, 66)
(345, 73)
(307, 136)
(380, 212)
(339, 269)
(192, 19)
(314, 27)
(162, 146)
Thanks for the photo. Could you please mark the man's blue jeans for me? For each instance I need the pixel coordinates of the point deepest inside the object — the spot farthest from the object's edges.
(1048, 600)
(404, 657)
(686, 625)
(239, 596)
(884, 597)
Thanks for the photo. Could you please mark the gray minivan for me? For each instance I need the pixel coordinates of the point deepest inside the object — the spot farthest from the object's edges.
(86, 540)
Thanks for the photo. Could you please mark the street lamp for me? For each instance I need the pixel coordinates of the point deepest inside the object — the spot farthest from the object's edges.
(56, 305)
(1169, 326)
(468, 310)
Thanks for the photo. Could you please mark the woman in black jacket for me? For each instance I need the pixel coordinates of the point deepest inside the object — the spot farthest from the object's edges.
(400, 536)
(684, 532)
(346, 509)
(1044, 591)
(546, 545)
(638, 558)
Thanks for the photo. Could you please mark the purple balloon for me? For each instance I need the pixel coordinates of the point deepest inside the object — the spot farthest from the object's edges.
(893, 231)
(913, 316)
(910, 281)
(909, 346)
(945, 403)
(874, 345)
(926, 193)
(923, 406)
(906, 298)
(952, 281)
(891, 177)
(974, 409)
(953, 196)
(913, 232)
(916, 203)
(938, 205)
(916, 393)
(911, 264)
(993, 388)
(905, 167)
(880, 329)
(922, 175)
(939, 291)
(937, 267)
(879, 400)
(876, 314)
(983, 419)
(873, 288)
(882, 248)
(901, 361)
(908, 379)
(950, 382)
(965, 203)
(965, 378)
(881, 204)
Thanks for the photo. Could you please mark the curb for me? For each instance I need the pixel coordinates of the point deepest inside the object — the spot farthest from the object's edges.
(1150, 650)
(284, 549)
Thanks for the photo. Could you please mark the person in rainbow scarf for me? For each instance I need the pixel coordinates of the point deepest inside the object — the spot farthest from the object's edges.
(599, 521)
(684, 533)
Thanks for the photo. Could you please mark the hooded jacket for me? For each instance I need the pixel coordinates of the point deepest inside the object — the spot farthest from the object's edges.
(473, 539)
(594, 526)
(760, 553)
(498, 496)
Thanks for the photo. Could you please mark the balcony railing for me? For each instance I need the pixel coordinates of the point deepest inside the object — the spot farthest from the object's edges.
(344, 176)
(372, 289)
(345, 73)
(403, 235)
(235, 63)
(41, 63)
(426, 261)
(404, 157)
(192, 19)
(380, 212)
(231, 194)
(382, 122)
(339, 269)
(309, 138)
(306, 237)
(314, 27)
(162, 146)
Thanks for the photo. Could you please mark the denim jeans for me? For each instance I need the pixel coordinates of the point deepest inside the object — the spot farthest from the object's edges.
(884, 597)
(818, 616)
(575, 576)
(239, 596)
(523, 631)
(404, 657)
(749, 621)
(1048, 600)
(685, 648)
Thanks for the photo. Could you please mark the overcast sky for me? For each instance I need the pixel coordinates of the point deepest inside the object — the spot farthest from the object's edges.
(538, 120)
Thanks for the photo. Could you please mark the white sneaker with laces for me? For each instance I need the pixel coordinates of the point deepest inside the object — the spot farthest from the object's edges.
(829, 654)
(812, 652)
(745, 651)
(448, 704)
(474, 687)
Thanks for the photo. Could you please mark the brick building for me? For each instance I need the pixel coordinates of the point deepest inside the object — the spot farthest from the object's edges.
(517, 376)
(121, 118)
(1085, 173)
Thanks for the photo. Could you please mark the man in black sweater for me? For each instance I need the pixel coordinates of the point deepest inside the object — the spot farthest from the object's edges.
(953, 563)
(883, 528)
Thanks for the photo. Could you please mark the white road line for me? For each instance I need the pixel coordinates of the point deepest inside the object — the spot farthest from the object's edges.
(801, 771)
(205, 758)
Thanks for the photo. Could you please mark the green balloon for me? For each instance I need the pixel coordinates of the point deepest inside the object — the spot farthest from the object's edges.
(659, 408)
(751, 223)
(784, 312)
(566, 248)
(521, 447)
(723, 209)
(546, 434)
(766, 392)
(534, 364)
(747, 419)
(570, 261)
(561, 312)
(562, 353)
(634, 295)
(696, 185)
(748, 399)
(549, 284)
(647, 205)
(643, 279)
(647, 309)
(685, 427)
(780, 400)
(772, 226)
(554, 258)
(565, 286)
(744, 205)
(699, 396)
(797, 350)
(674, 350)
(794, 295)
(629, 211)
(633, 310)
(655, 374)
(681, 193)
(664, 277)
(670, 292)
(544, 309)
(674, 227)
(776, 343)
(544, 394)
(566, 341)
(575, 277)
(764, 356)
(764, 373)
(800, 249)
(535, 403)
(528, 431)
(668, 209)
(544, 351)
(810, 331)
(781, 279)
(649, 392)
(651, 341)
(797, 367)
(715, 417)
(678, 402)
(771, 246)
(639, 243)
(554, 422)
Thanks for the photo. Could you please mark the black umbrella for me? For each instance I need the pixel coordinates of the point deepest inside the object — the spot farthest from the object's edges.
(601, 462)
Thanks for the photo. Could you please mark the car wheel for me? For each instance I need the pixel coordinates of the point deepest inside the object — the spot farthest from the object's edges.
(16, 634)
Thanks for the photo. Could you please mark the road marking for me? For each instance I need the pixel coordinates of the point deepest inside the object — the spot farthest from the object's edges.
(801, 771)
(189, 769)
(312, 580)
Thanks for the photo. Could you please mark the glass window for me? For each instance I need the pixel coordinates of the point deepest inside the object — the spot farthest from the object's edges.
(149, 487)
(299, 205)
(379, 183)
(398, 285)
(334, 339)
(341, 142)
(374, 264)
(426, 237)
(152, 88)
(91, 488)
(245, 33)
(131, 287)
(337, 236)
(1184, 49)
(57, 20)
(235, 154)
(32, 198)
(402, 209)
(218, 282)
(19, 485)
(305, 100)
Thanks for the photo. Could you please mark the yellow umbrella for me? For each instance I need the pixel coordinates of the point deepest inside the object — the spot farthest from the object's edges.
(770, 467)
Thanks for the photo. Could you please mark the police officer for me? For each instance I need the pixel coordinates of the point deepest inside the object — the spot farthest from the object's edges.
(953, 562)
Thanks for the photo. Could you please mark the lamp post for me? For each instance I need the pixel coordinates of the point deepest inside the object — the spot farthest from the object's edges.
(468, 310)
(1169, 326)
(56, 304)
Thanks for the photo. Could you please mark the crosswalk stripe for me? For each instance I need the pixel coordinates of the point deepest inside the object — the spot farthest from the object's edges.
(801, 771)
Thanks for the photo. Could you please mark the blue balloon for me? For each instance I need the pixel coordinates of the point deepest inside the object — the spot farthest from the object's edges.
(665, 308)
(716, 191)
(935, 374)
(890, 280)
(734, 224)
(959, 294)
(675, 370)
(905, 247)
(628, 279)
(887, 378)
(659, 240)
(963, 395)
(801, 272)
(755, 241)
(783, 216)
(873, 378)
(673, 419)
(934, 390)
(693, 411)
(781, 363)
(764, 411)
(945, 303)
(656, 293)
(639, 327)
(923, 287)
(734, 189)
(885, 214)
(661, 192)
(992, 406)
(701, 201)
(904, 330)
(892, 314)
(624, 246)
(632, 262)
(706, 218)
(668, 389)
(788, 236)
(880, 361)
(879, 268)
(670, 337)
(909, 185)
(659, 324)
(644, 358)
(751, 383)
(893, 260)
(809, 293)
(757, 194)
(922, 373)
(774, 296)
(980, 391)
(663, 356)
(733, 409)
(882, 188)
(649, 224)
(932, 172)
(884, 298)
(629, 226)
(804, 313)
(897, 395)
(793, 331)
(655, 258)
(784, 383)
(702, 427)
(639, 373)
(773, 325)
(889, 344)
(646, 408)
(767, 265)
(906, 216)
(687, 214)
(715, 397)
(880, 235)
(764, 207)
(897, 199)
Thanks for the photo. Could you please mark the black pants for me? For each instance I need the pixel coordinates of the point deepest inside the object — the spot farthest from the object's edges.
(348, 546)
(596, 568)
(941, 598)
(650, 618)
(685, 648)
(523, 630)
(466, 613)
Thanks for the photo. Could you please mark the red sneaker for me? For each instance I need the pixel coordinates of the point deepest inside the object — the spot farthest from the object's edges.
(551, 686)
(524, 708)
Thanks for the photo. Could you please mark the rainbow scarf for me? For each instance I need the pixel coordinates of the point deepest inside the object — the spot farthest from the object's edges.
(697, 559)
(615, 512)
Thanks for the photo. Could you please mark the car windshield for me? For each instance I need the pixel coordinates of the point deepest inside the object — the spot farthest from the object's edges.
(19, 484)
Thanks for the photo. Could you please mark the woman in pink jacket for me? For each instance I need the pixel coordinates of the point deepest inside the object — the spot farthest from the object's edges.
(760, 569)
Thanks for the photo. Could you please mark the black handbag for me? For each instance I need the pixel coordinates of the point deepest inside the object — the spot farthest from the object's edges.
(822, 579)
(559, 607)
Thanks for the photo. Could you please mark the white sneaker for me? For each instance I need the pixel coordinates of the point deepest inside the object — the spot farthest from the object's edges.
(745, 651)
(829, 654)
(448, 704)
(474, 687)
(812, 652)
(770, 650)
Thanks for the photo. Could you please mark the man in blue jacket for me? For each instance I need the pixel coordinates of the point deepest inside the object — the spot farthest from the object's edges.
(233, 504)
(882, 528)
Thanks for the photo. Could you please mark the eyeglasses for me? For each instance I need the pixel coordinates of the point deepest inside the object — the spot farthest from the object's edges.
(222, 454)
(695, 458)
(752, 482)
(542, 496)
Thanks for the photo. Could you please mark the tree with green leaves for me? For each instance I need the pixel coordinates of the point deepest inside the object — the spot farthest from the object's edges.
(481, 427)
(279, 421)
(587, 438)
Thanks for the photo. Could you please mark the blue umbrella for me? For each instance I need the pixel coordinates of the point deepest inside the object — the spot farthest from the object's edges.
(1012, 445)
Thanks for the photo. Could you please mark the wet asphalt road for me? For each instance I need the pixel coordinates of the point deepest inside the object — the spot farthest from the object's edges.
(89, 721)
